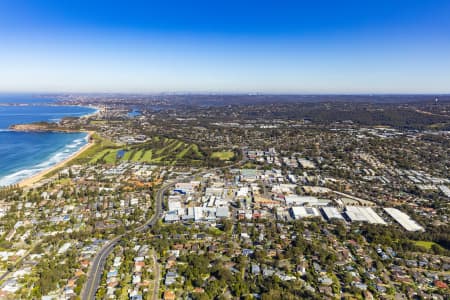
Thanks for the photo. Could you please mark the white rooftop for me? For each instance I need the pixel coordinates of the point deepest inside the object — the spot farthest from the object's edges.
(304, 212)
(363, 214)
(332, 213)
(403, 219)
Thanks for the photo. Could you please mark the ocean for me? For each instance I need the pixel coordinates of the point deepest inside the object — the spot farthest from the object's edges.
(24, 154)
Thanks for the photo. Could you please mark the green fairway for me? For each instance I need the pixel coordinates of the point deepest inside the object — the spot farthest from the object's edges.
(111, 157)
(147, 156)
(97, 151)
(196, 150)
(99, 156)
(178, 145)
(183, 152)
(137, 156)
(128, 154)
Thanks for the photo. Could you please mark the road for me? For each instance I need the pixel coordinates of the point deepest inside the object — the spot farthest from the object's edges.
(19, 261)
(98, 263)
(157, 276)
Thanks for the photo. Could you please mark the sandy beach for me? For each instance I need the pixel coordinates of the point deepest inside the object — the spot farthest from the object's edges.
(39, 176)
(98, 110)
(36, 178)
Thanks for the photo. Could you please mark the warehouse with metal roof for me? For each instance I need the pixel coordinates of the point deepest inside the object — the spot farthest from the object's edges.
(331, 212)
(363, 214)
(299, 212)
(403, 219)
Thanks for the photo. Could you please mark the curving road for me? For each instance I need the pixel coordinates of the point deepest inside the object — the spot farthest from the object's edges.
(96, 270)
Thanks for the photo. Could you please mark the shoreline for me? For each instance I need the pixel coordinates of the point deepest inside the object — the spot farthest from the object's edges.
(27, 182)
(43, 126)
(97, 111)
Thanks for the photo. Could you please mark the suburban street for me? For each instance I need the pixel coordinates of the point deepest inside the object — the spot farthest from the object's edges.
(157, 276)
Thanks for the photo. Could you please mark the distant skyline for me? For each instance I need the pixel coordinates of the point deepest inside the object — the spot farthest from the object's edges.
(293, 47)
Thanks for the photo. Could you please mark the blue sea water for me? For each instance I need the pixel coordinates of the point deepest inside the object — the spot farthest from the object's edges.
(23, 154)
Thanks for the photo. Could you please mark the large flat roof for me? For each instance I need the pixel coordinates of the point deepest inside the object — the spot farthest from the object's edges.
(363, 214)
(332, 213)
(303, 212)
(403, 219)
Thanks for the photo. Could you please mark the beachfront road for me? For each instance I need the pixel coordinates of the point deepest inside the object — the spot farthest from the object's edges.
(98, 263)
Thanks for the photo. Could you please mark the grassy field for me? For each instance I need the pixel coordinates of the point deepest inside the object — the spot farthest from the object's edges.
(223, 155)
(425, 244)
(249, 165)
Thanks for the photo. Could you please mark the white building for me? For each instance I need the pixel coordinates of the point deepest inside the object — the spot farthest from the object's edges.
(173, 204)
(332, 213)
(64, 248)
(242, 192)
(445, 190)
(299, 212)
(403, 219)
(363, 214)
(296, 200)
(222, 212)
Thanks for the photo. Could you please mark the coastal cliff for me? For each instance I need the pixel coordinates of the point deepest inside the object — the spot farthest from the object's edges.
(41, 126)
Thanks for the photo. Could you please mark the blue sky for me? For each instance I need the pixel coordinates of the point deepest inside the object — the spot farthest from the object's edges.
(225, 46)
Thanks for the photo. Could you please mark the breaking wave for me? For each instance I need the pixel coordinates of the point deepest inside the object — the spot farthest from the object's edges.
(57, 157)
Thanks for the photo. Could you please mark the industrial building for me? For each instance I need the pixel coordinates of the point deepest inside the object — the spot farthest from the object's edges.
(403, 219)
(174, 203)
(305, 200)
(299, 212)
(363, 214)
(445, 190)
(332, 213)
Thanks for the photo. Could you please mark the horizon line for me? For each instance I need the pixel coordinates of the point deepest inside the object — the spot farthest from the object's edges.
(38, 93)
